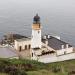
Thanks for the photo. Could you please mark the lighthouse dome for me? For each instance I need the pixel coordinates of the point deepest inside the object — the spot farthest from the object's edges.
(36, 19)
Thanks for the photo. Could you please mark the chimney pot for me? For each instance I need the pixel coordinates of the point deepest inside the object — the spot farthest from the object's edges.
(67, 45)
(48, 36)
(44, 37)
(62, 46)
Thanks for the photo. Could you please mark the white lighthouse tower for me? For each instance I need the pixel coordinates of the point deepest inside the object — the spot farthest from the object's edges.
(36, 32)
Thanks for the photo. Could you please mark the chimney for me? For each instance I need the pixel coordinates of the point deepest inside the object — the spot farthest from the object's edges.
(57, 37)
(62, 46)
(48, 36)
(44, 37)
(67, 45)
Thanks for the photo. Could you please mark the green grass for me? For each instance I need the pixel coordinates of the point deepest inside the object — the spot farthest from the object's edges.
(37, 68)
(65, 67)
(3, 74)
(39, 72)
(44, 72)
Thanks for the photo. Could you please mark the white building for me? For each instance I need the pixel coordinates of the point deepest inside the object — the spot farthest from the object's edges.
(40, 46)
(34, 41)
(58, 46)
(23, 44)
(36, 33)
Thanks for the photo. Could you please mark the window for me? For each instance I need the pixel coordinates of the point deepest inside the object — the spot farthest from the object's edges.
(38, 32)
(29, 46)
(25, 47)
(20, 48)
(32, 54)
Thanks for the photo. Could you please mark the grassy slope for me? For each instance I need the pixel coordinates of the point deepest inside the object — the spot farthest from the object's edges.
(59, 68)
(65, 68)
(3, 74)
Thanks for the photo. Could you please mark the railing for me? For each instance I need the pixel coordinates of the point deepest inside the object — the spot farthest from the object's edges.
(46, 53)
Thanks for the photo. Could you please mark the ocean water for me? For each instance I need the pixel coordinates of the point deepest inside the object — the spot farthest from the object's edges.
(57, 17)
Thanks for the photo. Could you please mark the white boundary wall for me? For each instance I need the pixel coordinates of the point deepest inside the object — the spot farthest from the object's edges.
(53, 58)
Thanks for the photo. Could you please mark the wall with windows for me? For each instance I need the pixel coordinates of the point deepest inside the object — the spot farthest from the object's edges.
(22, 45)
(64, 51)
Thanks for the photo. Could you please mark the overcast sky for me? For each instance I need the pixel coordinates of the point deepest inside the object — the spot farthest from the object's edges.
(58, 16)
(54, 4)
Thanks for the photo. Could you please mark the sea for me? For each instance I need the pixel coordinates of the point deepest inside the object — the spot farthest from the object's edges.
(57, 17)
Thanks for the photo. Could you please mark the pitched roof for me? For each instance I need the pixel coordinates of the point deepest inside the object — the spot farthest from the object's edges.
(55, 43)
(23, 39)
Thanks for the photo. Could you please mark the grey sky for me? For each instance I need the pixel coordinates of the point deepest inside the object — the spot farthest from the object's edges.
(42, 3)
(62, 6)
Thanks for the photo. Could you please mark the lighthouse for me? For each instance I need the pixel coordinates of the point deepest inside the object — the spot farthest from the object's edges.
(36, 32)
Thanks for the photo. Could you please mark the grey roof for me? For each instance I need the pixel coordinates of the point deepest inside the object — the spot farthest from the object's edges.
(6, 52)
(55, 43)
(15, 36)
(23, 39)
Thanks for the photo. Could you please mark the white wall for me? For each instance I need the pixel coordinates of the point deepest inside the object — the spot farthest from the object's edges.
(36, 39)
(69, 50)
(22, 44)
(34, 55)
(50, 59)
(60, 52)
(16, 45)
(63, 51)
(53, 58)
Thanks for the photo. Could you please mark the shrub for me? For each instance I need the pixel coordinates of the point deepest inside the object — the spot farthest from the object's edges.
(21, 72)
(56, 69)
(71, 73)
